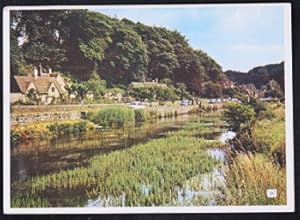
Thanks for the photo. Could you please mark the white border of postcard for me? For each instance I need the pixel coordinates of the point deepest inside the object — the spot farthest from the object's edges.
(289, 207)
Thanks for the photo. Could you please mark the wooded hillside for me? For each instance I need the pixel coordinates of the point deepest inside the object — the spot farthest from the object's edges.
(259, 76)
(120, 51)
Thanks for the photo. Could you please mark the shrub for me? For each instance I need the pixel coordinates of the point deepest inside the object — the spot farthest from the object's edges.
(113, 116)
(166, 94)
(15, 136)
(269, 137)
(139, 116)
(44, 130)
(67, 128)
(238, 115)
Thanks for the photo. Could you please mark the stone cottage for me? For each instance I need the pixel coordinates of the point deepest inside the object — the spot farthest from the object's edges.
(50, 87)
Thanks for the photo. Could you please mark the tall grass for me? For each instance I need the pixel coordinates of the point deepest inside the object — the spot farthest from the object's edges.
(161, 165)
(113, 116)
(248, 179)
(29, 201)
(251, 174)
(140, 116)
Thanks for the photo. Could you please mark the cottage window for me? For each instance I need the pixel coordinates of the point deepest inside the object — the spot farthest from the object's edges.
(52, 89)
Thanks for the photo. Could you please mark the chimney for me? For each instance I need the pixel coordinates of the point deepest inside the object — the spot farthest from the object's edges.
(50, 70)
(35, 72)
(41, 69)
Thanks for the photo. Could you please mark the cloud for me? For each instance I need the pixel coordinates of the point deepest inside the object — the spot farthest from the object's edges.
(239, 37)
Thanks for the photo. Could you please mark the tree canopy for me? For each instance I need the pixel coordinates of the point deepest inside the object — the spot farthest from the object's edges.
(75, 41)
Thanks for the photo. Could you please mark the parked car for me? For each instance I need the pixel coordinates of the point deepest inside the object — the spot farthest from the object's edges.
(185, 102)
(136, 105)
(212, 101)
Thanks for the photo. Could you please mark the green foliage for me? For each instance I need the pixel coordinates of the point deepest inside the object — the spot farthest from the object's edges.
(29, 201)
(126, 59)
(166, 94)
(62, 129)
(212, 90)
(268, 134)
(143, 93)
(46, 130)
(238, 115)
(43, 31)
(33, 96)
(16, 54)
(248, 179)
(95, 85)
(72, 41)
(140, 116)
(259, 76)
(114, 116)
(161, 165)
(79, 89)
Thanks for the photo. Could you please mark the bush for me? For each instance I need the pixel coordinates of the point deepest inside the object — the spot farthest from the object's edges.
(45, 130)
(139, 116)
(166, 94)
(113, 116)
(238, 115)
(67, 128)
(15, 136)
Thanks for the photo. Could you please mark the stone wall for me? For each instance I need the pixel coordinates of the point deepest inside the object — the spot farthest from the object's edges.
(45, 116)
(14, 97)
(30, 114)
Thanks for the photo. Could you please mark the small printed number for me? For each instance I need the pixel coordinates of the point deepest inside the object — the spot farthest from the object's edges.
(272, 193)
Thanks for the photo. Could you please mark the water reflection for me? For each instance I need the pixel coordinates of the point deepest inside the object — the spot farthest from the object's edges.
(39, 157)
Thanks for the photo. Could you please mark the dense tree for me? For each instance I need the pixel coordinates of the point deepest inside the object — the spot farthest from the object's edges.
(259, 76)
(238, 115)
(41, 37)
(77, 41)
(126, 58)
(96, 85)
(16, 55)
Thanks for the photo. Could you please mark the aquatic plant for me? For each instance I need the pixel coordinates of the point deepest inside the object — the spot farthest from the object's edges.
(159, 165)
(113, 116)
(140, 116)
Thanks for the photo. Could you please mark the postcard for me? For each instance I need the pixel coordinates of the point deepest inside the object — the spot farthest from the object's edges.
(148, 109)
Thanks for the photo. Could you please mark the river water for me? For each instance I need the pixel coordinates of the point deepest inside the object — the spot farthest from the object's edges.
(40, 157)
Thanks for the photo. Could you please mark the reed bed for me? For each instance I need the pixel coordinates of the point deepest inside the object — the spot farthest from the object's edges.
(249, 178)
(113, 117)
(251, 174)
(160, 165)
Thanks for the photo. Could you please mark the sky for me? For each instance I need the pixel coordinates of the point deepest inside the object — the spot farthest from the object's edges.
(238, 37)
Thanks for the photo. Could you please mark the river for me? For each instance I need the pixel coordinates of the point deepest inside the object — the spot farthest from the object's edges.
(39, 157)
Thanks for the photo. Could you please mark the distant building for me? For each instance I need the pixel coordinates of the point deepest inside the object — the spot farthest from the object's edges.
(48, 86)
(227, 84)
(154, 83)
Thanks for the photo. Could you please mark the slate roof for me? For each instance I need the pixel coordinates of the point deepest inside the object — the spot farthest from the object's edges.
(147, 84)
(42, 83)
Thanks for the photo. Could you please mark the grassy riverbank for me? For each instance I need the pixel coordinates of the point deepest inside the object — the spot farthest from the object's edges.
(158, 167)
(46, 130)
(262, 167)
